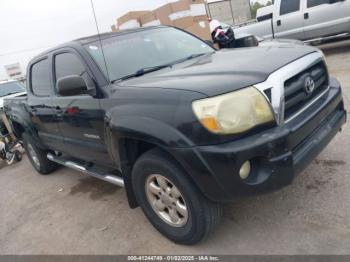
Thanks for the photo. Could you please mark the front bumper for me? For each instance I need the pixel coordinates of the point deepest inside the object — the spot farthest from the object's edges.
(277, 155)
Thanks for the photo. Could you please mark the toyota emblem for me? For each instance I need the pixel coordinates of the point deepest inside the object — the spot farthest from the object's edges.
(309, 85)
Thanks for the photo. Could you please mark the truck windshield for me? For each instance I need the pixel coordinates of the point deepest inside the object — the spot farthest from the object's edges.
(11, 88)
(127, 54)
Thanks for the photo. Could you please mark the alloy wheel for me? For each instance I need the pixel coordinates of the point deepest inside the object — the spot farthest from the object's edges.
(166, 200)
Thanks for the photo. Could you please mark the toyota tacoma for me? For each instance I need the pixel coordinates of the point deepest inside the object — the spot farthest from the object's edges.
(182, 126)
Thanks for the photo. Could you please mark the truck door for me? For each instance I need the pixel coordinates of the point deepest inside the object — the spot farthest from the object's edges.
(326, 18)
(40, 105)
(79, 117)
(288, 19)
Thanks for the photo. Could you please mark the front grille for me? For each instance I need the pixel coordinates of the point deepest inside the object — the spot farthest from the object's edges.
(297, 92)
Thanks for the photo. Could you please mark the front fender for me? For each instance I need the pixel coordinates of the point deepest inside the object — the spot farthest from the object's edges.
(144, 129)
(149, 130)
(169, 140)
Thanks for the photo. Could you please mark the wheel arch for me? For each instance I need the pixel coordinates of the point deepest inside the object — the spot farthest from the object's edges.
(18, 129)
(130, 150)
(129, 138)
(126, 145)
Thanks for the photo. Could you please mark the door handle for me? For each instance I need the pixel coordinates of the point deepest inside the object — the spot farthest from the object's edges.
(279, 22)
(306, 16)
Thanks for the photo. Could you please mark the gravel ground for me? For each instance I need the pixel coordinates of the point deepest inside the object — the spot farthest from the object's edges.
(69, 213)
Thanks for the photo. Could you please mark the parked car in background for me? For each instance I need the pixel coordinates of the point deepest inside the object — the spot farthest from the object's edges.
(8, 143)
(10, 88)
(307, 20)
(182, 126)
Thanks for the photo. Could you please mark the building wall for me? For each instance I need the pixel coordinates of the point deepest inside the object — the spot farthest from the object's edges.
(230, 11)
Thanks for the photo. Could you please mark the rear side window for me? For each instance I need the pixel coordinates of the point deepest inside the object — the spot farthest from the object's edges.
(289, 6)
(312, 3)
(40, 78)
(67, 64)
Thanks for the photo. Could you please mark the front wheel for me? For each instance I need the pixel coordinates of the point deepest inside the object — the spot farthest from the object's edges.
(38, 156)
(170, 201)
(18, 156)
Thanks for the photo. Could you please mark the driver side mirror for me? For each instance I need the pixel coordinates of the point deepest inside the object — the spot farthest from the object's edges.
(71, 86)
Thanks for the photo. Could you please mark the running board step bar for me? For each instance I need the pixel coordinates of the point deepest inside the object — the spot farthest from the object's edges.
(116, 180)
(325, 38)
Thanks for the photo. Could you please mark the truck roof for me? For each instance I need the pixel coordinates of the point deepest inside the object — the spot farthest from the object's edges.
(93, 38)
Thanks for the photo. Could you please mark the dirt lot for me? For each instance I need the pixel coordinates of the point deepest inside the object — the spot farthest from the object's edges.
(69, 213)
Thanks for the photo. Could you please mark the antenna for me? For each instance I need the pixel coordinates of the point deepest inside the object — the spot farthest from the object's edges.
(100, 40)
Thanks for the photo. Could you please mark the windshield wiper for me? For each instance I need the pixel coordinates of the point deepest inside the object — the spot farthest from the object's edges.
(150, 69)
(195, 55)
(142, 72)
(189, 58)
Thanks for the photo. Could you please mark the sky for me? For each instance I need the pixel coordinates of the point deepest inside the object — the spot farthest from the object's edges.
(28, 27)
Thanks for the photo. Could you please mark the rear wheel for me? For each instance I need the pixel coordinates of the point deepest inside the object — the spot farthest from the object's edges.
(170, 200)
(38, 156)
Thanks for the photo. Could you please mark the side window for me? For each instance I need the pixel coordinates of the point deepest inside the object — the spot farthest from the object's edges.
(289, 6)
(68, 64)
(40, 78)
(312, 3)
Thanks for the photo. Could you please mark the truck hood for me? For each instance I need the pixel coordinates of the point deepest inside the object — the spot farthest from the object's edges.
(10, 96)
(222, 71)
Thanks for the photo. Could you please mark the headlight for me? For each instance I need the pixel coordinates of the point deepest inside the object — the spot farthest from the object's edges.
(235, 112)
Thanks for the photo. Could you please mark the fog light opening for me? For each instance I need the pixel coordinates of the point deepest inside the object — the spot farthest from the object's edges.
(245, 170)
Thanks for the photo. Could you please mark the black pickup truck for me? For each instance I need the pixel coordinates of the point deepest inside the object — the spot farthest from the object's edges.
(182, 126)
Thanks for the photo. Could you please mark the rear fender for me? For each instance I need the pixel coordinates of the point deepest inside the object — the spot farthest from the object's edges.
(21, 122)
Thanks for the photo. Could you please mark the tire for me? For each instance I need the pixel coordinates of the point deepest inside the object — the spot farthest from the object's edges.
(18, 156)
(202, 214)
(38, 156)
